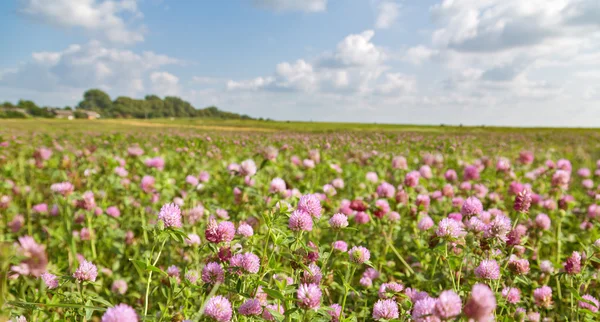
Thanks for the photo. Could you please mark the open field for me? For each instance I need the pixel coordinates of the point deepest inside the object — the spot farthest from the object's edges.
(210, 220)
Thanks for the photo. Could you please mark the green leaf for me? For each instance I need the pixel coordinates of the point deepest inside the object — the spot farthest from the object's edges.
(274, 294)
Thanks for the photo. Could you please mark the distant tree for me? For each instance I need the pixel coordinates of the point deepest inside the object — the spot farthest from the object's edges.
(151, 106)
(96, 100)
(8, 104)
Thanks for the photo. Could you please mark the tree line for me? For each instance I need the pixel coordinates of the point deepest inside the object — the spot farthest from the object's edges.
(99, 101)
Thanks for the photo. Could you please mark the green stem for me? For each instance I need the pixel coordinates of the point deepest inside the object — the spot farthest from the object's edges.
(92, 235)
(150, 278)
(346, 283)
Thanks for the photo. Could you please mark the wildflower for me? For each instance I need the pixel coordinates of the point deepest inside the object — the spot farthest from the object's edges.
(471, 173)
(425, 172)
(157, 163)
(385, 309)
(120, 312)
(372, 177)
(248, 262)
(245, 230)
(423, 310)
(471, 206)
(192, 239)
(546, 266)
(312, 275)
(399, 162)
(63, 188)
(113, 211)
(147, 184)
(213, 273)
(523, 201)
(300, 221)
(248, 168)
(412, 179)
(340, 245)
(425, 224)
(86, 272)
(481, 303)
(448, 305)
(542, 221)
(119, 287)
(311, 205)
(449, 228)
(488, 269)
(277, 186)
(338, 221)
(386, 190)
(218, 308)
(359, 254)
(573, 264)
(498, 228)
(250, 307)
(593, 306)
(511, 294)
(170, 214)
(221, 232)
(543, 296)
(50, 280)
(35, 261)
(518, 265)
(335, 311)
(451, 176)
(309, 296)
(387, 290)
(361, 217)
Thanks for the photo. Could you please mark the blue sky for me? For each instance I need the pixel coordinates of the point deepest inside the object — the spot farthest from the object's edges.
(493, 62)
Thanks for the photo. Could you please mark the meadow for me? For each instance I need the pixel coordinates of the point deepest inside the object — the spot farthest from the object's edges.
(213, 220)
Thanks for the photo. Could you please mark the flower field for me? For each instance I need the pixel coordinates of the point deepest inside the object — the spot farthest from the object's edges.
(182, 224)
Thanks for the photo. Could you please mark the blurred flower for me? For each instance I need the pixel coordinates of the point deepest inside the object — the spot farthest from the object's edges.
(170, 214)
(119, 313)
(50, 280)
(385, 310)
(218, 308)
(86, 272)
(481, 303)
(309, 296)
(359, 254)
(543, 296)
(488, 269)
(250, 307)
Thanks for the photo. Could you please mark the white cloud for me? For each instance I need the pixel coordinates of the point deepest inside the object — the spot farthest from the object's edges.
(396, 83)
(387, 13)
(100, 18)
(165, 84)
(418, 54)
(252, 85)
(293, 5)
(354, 68)
(355, 50)
(86, 66)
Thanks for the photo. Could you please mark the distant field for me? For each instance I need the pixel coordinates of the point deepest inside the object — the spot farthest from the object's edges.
(109, 125)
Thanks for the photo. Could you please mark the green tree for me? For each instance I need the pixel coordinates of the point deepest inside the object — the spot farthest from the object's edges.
(97, 100)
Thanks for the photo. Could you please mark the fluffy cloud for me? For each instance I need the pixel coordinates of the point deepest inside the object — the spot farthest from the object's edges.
(100, 18)
(86, 66)
(293, 5)
(165, 84)
(387, 13)
(355, 67)
(356, 50)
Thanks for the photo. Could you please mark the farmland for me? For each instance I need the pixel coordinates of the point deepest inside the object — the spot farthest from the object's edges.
(247, 220)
